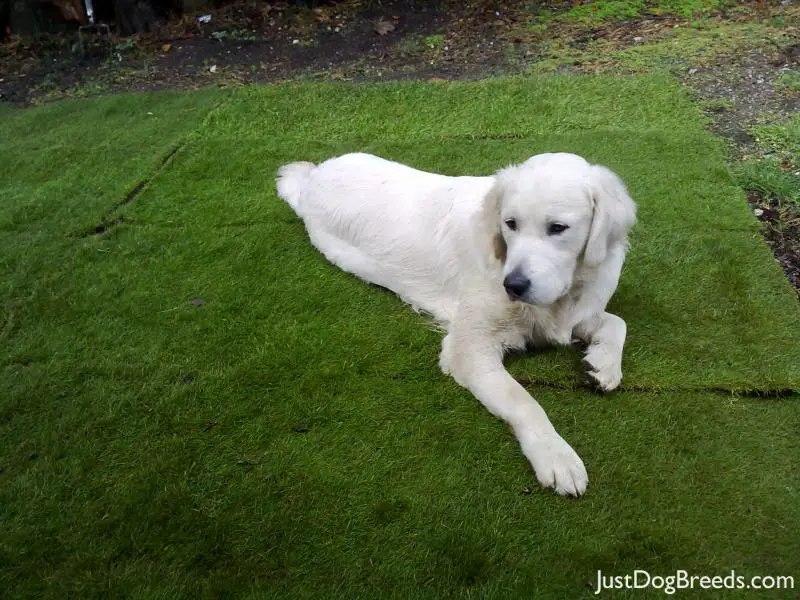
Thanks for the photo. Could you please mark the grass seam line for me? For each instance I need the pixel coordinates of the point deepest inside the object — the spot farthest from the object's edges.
(106, 221)
(729, 391)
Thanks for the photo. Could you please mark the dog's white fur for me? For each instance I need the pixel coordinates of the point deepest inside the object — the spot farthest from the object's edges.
(446, 246)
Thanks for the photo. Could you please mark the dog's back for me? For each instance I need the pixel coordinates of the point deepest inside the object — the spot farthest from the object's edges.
(388, 223)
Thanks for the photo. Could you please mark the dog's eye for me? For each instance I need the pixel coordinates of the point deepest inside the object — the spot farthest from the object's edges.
(556, 228)
(511, 224)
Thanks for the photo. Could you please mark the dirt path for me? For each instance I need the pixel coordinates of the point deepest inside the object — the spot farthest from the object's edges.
(736, 64)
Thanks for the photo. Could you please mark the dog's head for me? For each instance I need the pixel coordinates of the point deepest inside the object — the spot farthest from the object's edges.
(551, 214)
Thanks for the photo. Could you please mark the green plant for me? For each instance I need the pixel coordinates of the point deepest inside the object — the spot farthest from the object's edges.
(769, 179)
(235, 35)
(778, 21)
(716, 105)
(790, 79)
(781, 139)
(126, 45)
(434, 41)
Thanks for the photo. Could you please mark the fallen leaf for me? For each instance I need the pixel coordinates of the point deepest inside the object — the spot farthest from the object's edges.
(166, 47)
(383, 27)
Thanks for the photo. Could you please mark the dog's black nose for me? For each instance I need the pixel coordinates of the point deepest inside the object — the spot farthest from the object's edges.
(516, 284)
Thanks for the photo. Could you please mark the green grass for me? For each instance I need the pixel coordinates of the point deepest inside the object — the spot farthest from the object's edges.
(769, 179)
(360, 114)
(422, 44)
(599, 12)
(291, 436)
(776, 174)
(667, 50)
(606, 10)
(782, 140)
(790, 80)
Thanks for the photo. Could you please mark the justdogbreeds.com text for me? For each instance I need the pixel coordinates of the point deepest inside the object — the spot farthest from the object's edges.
(682, 580)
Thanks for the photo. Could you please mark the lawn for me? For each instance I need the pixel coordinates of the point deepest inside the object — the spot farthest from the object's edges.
(193, 403)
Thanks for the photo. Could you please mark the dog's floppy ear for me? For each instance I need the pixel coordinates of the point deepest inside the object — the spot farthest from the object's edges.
(490, 217)
(614, 215)
(499, 246)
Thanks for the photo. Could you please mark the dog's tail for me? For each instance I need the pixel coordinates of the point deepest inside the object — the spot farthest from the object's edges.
(292, 180)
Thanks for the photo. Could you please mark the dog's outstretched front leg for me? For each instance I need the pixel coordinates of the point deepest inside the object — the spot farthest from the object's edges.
(605, 334)
(478, 366)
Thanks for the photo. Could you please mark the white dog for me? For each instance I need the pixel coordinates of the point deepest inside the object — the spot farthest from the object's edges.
(529, 255)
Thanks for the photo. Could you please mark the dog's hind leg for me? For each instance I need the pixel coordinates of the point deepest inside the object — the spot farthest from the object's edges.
(348, 257)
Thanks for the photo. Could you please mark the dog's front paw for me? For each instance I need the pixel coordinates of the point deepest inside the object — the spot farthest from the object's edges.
(556, 464)
(603, 366)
